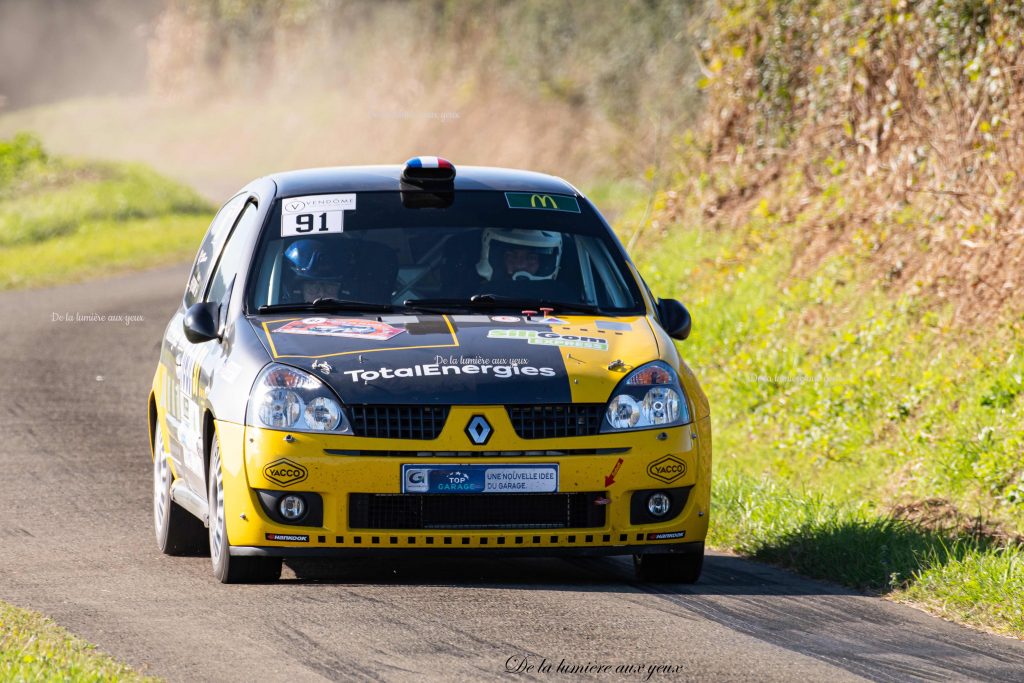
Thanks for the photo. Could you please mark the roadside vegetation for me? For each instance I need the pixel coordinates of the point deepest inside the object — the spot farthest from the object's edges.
(65, 219)
(33, 648)
(845, 227)
(843, 217)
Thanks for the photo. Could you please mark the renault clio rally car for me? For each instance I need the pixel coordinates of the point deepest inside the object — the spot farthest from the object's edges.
(408, 360)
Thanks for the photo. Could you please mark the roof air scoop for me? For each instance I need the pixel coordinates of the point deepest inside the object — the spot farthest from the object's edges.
(428, 182)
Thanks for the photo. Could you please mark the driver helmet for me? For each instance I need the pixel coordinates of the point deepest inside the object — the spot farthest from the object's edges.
(314, 260)
(316, 267)
(519, 254)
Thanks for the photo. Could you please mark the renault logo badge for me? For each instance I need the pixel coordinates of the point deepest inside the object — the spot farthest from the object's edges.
(478, 430)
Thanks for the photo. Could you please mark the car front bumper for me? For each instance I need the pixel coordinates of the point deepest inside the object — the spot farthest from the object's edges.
(335, 467)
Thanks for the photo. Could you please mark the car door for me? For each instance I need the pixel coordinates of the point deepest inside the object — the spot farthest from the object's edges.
(204, 363)
(184, 421)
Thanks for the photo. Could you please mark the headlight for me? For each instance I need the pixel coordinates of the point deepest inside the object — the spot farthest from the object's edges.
(288, 398)
(649, 397)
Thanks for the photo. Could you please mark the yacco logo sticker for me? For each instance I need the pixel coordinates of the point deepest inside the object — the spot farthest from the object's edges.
(437, 370)
(667, 469)
(284, 472)
(551, 339)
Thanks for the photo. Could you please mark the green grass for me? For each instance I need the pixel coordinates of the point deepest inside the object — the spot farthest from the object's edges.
(63, 220)
(102, 247)
(834, 401)
(960, 576)
(982, 588)
(33, 648)
(828, 384)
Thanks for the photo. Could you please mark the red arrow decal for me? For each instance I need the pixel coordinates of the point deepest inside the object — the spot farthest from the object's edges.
(610, 478)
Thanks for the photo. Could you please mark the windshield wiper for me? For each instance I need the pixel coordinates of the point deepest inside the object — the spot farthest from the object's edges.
(491, 301)
(327, 304)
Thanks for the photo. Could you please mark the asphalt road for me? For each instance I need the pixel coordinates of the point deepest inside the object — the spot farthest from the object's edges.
(76, 543)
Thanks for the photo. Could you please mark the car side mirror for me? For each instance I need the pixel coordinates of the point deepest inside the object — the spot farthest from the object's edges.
(201, 322)
(675, 319)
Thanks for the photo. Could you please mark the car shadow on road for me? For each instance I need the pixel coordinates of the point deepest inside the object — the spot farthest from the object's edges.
(723, 575)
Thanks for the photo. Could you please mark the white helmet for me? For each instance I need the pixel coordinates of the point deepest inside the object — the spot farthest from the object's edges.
(546, 244)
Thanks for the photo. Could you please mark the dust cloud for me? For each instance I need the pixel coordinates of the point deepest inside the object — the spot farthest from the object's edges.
(215, 93)
(52, 50)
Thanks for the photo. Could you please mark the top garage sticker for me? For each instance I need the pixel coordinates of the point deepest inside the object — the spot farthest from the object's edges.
(316, 214)
(534, 200)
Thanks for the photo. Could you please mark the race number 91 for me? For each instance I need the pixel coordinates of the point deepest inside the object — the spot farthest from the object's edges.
(316, 223)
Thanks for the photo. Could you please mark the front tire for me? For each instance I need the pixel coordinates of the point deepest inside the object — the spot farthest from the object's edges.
(177, 531)
(226, 568)
(683, 567)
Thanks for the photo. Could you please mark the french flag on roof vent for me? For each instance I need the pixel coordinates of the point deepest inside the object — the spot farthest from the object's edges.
(429, 173)
(428, 162)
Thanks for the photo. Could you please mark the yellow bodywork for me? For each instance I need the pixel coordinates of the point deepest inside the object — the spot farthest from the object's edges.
(246, 451)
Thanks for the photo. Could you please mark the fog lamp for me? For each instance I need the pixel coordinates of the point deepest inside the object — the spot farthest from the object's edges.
(658, 504)
(292, 507)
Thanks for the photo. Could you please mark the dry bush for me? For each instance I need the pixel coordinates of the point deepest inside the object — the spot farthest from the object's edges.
(903, 123)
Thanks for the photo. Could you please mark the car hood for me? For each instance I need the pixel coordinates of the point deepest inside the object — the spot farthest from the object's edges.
(461, 359)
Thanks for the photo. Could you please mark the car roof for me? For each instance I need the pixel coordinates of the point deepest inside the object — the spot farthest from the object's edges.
(388, 178)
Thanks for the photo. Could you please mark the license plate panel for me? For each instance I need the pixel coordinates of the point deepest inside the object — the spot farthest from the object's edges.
(475, 478)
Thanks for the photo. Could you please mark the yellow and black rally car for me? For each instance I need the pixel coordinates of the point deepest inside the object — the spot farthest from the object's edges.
(408, 360)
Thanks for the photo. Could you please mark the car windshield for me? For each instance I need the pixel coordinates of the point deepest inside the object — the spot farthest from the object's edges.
(479, 252)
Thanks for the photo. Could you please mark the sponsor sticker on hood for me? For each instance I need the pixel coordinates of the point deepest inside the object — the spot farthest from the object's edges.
(358, 328)
(542, 338)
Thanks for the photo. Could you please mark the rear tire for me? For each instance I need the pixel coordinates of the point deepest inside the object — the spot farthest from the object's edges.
(178, 532)
(683, 567)
(226, 568)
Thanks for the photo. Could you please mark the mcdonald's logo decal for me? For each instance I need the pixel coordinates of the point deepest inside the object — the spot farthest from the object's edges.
(543, 200)
(537, 200)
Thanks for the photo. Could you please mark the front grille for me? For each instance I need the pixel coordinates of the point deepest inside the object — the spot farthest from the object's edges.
(397, 422)
(475, 511)
(556, 420)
